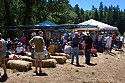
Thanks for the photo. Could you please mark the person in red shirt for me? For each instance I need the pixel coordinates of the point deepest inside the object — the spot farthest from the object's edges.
(23, 39)
(113, 39)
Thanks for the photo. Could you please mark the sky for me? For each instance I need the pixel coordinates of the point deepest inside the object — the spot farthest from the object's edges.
(87, 4)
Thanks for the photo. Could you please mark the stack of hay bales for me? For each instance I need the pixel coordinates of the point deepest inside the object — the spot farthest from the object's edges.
(66, 55)
(15, 62)
(19, 65)
(19, 57)
(26, 58)
(61, 54)
(59, 59)
(14, 57)
(49, 63)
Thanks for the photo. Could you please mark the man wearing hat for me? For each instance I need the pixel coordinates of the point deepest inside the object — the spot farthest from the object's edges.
(38, 43)
(3, 55)
(75, 48)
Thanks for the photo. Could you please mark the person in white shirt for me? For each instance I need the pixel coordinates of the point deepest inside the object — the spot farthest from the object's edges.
(67, 49)
(108, 43)
(20, 50)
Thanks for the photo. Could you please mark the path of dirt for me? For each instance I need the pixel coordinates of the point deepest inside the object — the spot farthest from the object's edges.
(109, 68)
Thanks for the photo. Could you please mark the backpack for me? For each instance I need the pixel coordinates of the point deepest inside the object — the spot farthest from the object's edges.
(1, 45)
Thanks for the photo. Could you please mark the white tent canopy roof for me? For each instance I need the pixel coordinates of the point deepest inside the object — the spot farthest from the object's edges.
(100, 25)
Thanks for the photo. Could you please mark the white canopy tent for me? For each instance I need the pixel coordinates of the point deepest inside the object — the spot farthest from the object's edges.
(100, 25)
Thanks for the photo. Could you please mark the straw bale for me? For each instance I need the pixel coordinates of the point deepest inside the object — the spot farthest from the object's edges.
(47, 56)
(66, 55)
(81, 52)
(28, 54)
(59, 59)
(61, 54)
(55, 54)
(14, 57)
(49, 63)
(26, 58)
(19, 65)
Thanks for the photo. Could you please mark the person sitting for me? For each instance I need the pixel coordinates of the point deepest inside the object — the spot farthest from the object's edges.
(52, 47)
(67, 49)
(20, 50)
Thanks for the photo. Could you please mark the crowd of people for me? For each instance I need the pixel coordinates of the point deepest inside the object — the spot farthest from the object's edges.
(69, 44)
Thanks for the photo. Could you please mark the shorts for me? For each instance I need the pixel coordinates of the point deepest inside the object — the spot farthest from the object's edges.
(39, 55)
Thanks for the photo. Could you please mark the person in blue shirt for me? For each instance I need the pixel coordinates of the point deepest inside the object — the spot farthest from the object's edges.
(3, 55)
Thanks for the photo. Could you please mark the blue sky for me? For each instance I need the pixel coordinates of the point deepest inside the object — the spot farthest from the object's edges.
(87, 4)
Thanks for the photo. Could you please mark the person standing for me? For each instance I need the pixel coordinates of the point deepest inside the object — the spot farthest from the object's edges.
(108, 43)
(32, 48)
(88, 47)
(23, 39)
(75, 48)
(38, 43)
(3, 55)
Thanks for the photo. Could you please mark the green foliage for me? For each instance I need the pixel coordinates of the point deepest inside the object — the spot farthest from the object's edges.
(30, 12)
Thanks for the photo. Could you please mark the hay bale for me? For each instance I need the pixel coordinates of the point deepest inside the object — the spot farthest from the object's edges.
(54, 54)
(14, 57)
(33, 62)
(59, 59)
(66, 55)
(26, 58)
(61, 54)
(28, 54)
(49, 63)
(19, 65)
(81, 52)
(20, 57)
(47, 56)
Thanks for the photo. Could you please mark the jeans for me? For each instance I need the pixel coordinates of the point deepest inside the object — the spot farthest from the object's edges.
(87, 55)
(75, 50)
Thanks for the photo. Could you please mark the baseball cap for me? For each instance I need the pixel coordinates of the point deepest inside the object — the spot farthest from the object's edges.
(40, 32)
(76, 33)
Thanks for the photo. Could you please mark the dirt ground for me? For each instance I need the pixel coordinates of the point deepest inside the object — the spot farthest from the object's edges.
(110, 68)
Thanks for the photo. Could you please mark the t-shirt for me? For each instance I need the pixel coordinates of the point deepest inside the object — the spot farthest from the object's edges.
(3, 51)
(19, 49)
(67, 49)
(99, 37)
(23, 40)
(113, 36)
(38, 42)
(75, 42)
(88, 43)
(108, 40)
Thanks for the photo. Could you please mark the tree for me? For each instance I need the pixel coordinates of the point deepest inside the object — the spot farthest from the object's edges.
(2, 13)
(110, 15)
(86, 15)
(77, 11)
(105, 14)
(101, 12)
(95, 13)
(8, 19)
(115, 15)
(27, 12)
(81, 15)
(121, 24)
